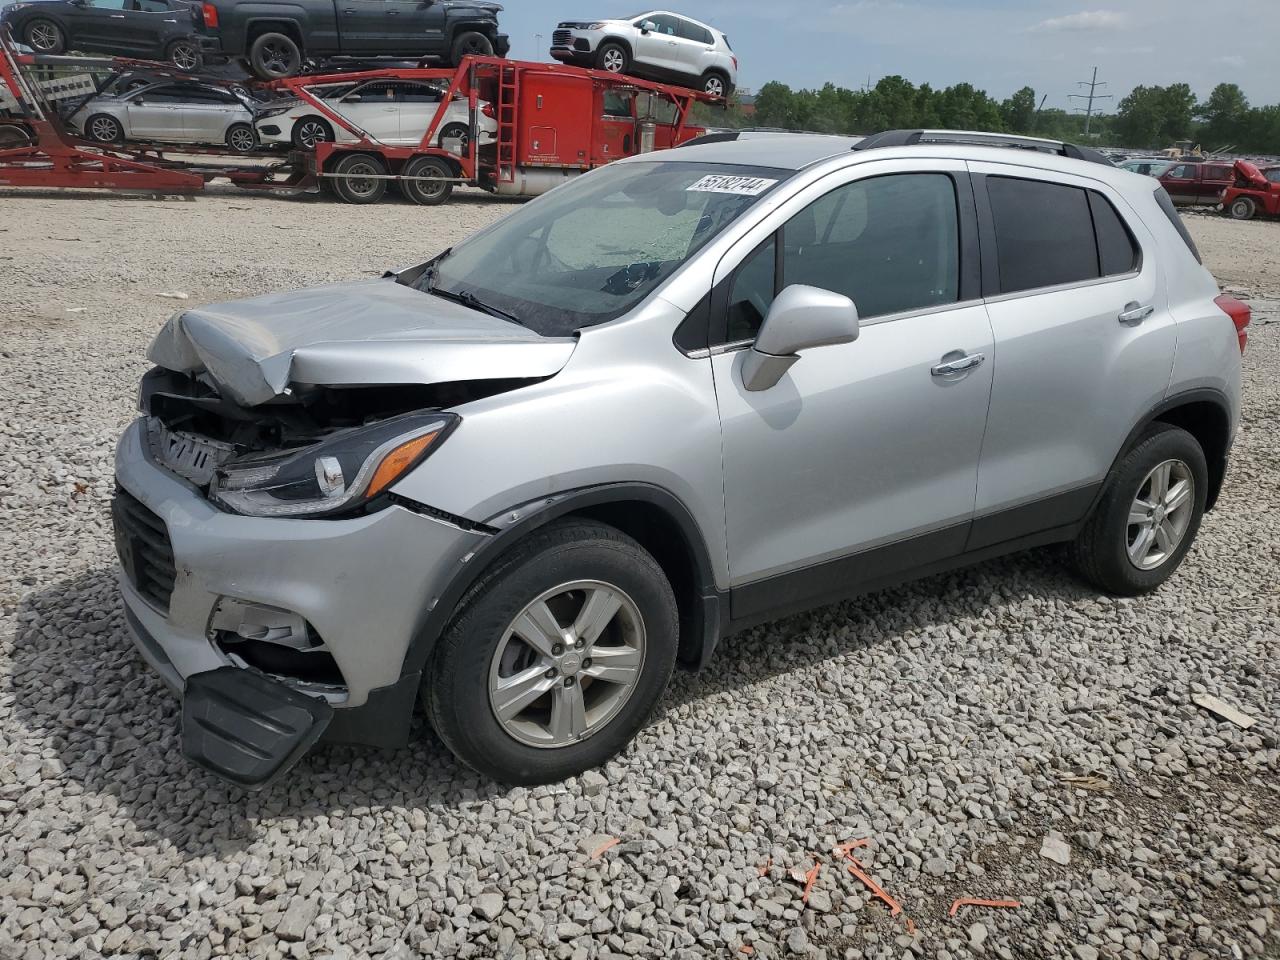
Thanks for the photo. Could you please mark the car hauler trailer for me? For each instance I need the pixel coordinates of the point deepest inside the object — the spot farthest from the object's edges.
(37, 150)
(553, 123)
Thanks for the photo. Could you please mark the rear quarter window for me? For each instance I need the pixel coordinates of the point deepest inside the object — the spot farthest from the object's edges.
(1169, 210)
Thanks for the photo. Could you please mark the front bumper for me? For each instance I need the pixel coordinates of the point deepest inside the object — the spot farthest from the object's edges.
(364, 585)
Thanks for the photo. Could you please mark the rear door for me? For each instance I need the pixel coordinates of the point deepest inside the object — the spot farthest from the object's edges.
(695, 47)
(1214, 179)
(374, 107)
(1084, 343)
(414, 28)
(418, 105)
(207, 113)
(152, 22)
(362, 26)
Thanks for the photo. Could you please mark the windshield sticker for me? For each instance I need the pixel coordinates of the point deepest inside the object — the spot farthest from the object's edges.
(742, 186)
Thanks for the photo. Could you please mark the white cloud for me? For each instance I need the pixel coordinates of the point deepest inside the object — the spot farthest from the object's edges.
(1085, 20)
(1231, 60)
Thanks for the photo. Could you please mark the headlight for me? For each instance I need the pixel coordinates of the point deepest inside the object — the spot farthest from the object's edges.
(273, 112)
(342, 471)
(596, 26)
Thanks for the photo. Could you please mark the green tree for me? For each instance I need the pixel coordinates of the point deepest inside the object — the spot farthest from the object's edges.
(1156, 116)
(776, 106)
(1225, 115)
(1019, 111)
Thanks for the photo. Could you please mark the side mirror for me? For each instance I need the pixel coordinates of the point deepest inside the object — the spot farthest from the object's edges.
(648, 27)
(802, 317)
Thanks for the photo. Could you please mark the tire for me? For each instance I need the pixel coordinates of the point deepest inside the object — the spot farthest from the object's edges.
(425, 193)
(103, 128)
(613, 58)
(185, 55)
(309, 131)
(460, 130)
(13, 136)
(274, 56)
(479, 649)
(354, 190)
(716, 84)
(1243, 208)
(1104, 550)
(242, 138)
(471, 43)
(44, 36)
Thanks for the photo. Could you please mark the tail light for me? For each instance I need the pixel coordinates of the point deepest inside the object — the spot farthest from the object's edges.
(735, 62)
(488, 111)
(210, 14)
(1240, 315)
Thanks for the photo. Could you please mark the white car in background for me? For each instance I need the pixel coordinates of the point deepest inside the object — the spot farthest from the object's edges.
(395, 112)
(661, 46)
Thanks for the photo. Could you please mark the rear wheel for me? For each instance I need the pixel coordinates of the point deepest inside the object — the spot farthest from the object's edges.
(359, 181)
(44, 36)
(309, 131)
(556, 657)
(1148, 516)
(471, 44)
(241, 138)
(715, 84)
(185, 55)
(274, 56)
(459, 131)
(1243, 208)
(428, 193)
(613, 57)
(103, 128)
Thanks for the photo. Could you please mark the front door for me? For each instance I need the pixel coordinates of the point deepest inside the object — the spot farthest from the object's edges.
(155, 113)
(415, 28)
(659, 49)
(1084, 343)
(863, 460)
(374, 108)
(101, 25)
(363, 26)
(1181, 182)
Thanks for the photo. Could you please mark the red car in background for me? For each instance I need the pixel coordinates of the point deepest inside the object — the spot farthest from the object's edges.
(1201, 183)
(1256, 191)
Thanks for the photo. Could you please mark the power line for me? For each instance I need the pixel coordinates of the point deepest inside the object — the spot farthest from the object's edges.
(1091, 96)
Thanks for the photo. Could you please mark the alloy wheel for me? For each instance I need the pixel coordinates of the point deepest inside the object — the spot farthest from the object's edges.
(312, 132)
(1160, 514)
(714, 86)
(567, 664)
(277, 58)
(105, 129)
(43, 36)
(184, 56)
(241, 139)
(614, 61)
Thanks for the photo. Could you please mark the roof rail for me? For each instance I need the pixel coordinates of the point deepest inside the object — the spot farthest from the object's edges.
(909, 138)
(727, 136)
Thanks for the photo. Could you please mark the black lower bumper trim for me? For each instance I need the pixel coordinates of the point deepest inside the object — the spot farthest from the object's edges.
(247, 728)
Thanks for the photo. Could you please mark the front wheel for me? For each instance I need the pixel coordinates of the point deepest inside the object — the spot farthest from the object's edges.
(613, 58)
(556, 657)
(360, 178)
(1242, 208)
(103, 128)
(471, 44)
(274, 56)
(185, 55)
(1148, 516)
(309, 131)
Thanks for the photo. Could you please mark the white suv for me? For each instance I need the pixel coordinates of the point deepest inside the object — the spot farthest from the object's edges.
(657, 45)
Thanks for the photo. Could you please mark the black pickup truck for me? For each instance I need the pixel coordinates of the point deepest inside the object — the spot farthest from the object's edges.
(276, 37)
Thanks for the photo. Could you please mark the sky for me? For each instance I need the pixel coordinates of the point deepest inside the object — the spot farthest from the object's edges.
(997, 45)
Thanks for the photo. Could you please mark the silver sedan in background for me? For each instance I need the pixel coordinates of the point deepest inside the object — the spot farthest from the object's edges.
(170, 112)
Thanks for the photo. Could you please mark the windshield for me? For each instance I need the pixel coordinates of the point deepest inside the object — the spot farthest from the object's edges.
(589, 252)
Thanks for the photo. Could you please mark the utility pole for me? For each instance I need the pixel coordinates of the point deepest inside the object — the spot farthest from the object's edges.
(1091, 96)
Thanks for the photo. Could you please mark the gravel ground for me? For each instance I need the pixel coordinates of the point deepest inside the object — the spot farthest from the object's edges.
(998, 732)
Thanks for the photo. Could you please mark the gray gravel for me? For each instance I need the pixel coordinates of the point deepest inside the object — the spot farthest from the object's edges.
(957, 724)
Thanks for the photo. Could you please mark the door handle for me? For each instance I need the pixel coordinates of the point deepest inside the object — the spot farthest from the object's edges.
(1134, 313)
(948, 367)
(117, 16)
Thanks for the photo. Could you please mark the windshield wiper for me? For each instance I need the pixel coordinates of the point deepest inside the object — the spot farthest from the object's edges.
(469, 299)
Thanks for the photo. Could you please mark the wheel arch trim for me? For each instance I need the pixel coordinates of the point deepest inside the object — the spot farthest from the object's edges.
(707, 608)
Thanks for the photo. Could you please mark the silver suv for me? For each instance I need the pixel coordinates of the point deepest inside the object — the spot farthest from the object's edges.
(657, 45)
(684, 394)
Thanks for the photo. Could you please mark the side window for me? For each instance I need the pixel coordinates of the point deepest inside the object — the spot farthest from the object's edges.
(890, 244)
(1183, 171)
(1117, 251)
(151, 6)
(1217, 173)
(751, 294)
(691, 31)
(667, 25)
(418, 93)
(1044, 233)
(109, 4)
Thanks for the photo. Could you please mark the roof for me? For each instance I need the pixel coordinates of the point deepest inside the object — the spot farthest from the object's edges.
(766, 148)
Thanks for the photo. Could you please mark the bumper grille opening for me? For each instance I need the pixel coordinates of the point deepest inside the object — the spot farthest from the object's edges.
(144, 549)
(277, 660)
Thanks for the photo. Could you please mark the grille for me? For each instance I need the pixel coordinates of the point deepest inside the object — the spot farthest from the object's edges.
(142, 544)
(561, 38)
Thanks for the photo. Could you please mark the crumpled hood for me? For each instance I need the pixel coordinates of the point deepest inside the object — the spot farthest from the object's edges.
(1252, 174)
(349, 334)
